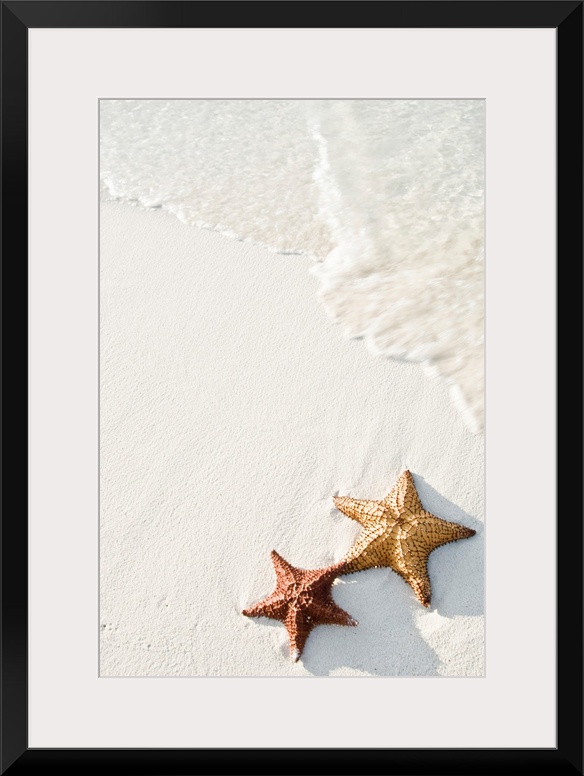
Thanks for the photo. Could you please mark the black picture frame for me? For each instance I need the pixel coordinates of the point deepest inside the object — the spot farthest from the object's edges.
(18, 16)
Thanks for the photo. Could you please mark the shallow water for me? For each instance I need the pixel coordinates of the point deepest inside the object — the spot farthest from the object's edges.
(387, 196)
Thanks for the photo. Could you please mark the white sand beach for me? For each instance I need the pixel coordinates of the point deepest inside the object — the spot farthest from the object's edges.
(232, 410)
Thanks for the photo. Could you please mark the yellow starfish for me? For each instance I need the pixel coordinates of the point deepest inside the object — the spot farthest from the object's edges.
(398, 533)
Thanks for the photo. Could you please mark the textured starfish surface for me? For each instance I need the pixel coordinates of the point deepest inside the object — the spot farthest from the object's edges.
(398, 533)
(302, 600)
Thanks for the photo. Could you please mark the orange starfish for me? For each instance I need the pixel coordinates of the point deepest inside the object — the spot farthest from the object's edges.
(398, 533)
(302, 600)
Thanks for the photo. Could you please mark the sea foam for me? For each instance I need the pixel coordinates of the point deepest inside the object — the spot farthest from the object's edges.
(387, 196)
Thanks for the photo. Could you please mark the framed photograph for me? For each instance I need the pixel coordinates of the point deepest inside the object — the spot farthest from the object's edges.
(294, 303)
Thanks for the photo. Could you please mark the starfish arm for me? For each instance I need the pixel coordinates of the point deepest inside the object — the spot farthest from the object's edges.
(438, 532)
(329, 613)
(403, 497)
(422, 588)
(298, 625)
(412, 562)
(321, 578)
(284, 570)
(274, 606)
(363, 511)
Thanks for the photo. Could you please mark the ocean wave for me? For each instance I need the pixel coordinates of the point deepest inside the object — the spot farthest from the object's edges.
(403, 195)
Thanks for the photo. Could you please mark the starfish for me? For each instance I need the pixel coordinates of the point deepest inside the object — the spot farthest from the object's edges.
(398, 533)
(302, 600)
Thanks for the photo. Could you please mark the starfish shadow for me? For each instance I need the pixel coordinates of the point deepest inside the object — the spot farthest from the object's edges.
(386, 641)
(457, 569)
